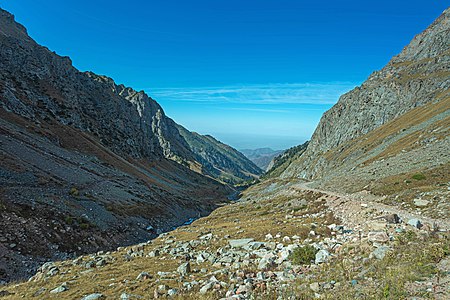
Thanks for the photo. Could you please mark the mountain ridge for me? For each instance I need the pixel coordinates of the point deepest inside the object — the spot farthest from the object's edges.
(262, 157)
(99, 161)
(413, 78)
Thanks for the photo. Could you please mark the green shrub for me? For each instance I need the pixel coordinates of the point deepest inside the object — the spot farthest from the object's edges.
(74, 191)
(418, 176)
(85, 225)
(303, 255)
(300, 208)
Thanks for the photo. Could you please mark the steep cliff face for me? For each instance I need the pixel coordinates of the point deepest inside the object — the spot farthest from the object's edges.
(86, 164)
(417, 77)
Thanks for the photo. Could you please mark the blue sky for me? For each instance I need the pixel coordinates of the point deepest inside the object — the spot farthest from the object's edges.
(252, 73)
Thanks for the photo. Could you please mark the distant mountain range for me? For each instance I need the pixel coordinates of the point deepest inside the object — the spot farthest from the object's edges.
(261, 156)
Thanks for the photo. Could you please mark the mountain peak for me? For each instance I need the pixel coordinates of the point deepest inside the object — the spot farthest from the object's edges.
(9, 27)
(415, 78)
(432, 42)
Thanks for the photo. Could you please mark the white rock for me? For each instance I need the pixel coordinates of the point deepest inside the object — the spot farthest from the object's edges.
(239, 243)
(93, 296)
(322, 256)
(421, 202)
(62, 288)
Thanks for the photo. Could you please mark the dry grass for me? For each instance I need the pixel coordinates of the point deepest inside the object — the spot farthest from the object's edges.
(251, 219)
(412, 260)
(433, 179)
(389, 278)
(376, 137)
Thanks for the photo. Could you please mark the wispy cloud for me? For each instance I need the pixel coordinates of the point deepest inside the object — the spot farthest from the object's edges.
(294, 93)
(285, 111)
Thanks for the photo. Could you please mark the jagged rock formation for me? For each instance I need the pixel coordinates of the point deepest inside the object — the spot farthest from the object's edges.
(86, 164)
(402, 108)
(262, 157)
(219, 160)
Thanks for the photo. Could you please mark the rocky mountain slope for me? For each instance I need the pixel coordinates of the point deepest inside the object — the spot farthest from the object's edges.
(219, 160)
(262, 157)
(400, 113)
(282, 161)
(88, 164)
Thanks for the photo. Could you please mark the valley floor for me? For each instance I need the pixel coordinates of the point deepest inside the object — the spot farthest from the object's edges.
(294, 242)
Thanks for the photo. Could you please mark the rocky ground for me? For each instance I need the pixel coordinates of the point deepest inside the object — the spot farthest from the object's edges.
(293, 243)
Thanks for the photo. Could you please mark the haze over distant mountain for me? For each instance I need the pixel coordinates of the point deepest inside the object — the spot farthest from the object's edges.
(261, 156)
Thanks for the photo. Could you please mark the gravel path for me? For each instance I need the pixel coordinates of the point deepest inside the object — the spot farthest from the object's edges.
(360, 207)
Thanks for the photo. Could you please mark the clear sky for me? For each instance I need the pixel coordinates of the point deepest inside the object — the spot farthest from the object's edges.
(253, 73)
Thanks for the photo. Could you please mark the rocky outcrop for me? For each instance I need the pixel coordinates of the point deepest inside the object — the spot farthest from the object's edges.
(418, 76)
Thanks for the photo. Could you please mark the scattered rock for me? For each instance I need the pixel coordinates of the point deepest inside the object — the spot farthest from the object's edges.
(421, 202)
(153, 253)
(143, 276)
(266, 263)
(162, 288)
(315, 287)
(93, 296)
(322, 256)
(125, 296)
(415, 223)
(378, 236)
(240, 243)
(392, 218)
(380, 252)
(204, 289)
(62, 288)
(207, 236)
(184, 269)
